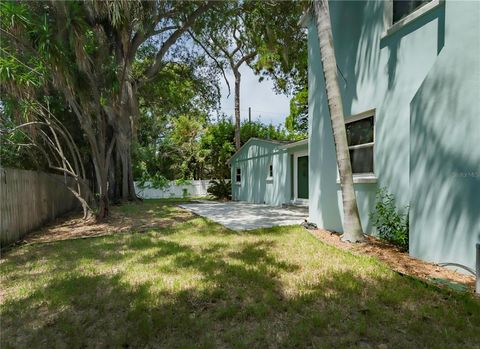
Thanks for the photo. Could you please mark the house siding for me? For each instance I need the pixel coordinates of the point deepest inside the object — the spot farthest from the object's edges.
(254, 160)
(420, 80)
(444, 144)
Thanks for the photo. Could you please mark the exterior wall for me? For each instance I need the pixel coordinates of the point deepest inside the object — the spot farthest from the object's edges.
(445, 134)
(400, 76)
(254, 160)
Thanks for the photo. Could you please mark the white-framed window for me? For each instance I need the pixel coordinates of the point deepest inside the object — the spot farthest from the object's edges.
(361, 142)
(403, 8)
(270, 171)
(399, 13)
(238, 175)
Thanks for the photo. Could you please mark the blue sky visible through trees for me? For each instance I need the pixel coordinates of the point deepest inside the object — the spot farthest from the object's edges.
(260, 96)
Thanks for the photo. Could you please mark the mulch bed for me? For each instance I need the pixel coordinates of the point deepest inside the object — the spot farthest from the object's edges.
(400, 261)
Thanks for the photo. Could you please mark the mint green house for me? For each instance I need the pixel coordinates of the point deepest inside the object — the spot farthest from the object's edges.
(271, 172)
(409, 74)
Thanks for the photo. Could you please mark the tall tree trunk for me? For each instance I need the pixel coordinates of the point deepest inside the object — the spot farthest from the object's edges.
(237, 108)
(352, 228)
(131, 185)
(100, 150)
(124, 127)
(101, 175)
(125, 180)
(124, 159)
(103, 203)
(114, 176)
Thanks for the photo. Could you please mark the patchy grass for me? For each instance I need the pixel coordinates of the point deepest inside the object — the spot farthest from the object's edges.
(196, 284)
(137, 217)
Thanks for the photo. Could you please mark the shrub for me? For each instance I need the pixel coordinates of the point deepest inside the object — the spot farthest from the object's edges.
(156, 181)
(391, 224)
(183, 181)
(220, 189)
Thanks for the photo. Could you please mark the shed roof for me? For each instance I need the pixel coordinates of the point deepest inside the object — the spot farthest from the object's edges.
(285, 144)
(296, 143)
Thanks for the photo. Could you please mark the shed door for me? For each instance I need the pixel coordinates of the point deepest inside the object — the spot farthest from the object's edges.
(302, 181)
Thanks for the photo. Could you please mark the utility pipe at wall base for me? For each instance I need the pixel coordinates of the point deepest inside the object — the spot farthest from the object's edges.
(475, 272)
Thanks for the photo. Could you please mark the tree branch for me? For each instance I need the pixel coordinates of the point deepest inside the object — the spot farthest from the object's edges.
(160, 31)
(172, 39)
(248, 57)
(213, 58)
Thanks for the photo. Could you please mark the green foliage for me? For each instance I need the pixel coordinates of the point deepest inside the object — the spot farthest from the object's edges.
(217, 141)
(280, 41)
(183, 181)
(26, 147)
(190, 147)
(12, 153)
(282, 55)
(220, 189)
(173, 111)
(92, 54)
(281, 45)
(297, 121)
(74, 50)
(391, 224)
(179, 88)
(156, 181)
(184, 146)
(258, 129)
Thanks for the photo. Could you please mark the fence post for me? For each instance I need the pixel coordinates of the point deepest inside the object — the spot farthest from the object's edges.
(477, 271)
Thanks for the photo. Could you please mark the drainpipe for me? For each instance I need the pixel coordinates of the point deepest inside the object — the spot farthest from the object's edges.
(477, 283)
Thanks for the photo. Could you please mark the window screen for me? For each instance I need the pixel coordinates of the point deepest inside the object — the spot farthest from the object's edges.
(360, 137)
(402, 8)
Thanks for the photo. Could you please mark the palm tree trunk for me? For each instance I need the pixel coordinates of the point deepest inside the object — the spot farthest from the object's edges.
(352, 228)
(237, 108)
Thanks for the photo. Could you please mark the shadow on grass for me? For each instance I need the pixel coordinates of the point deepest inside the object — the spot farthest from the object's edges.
(139, 216)
(220, 290)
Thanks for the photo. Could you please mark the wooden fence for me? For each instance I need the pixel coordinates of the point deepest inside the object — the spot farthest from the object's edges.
(28, 199)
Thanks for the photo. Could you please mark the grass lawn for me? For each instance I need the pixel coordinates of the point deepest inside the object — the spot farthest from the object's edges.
(195, 284)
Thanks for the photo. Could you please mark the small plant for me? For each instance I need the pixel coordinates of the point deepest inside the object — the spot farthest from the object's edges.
(185, 193)
(220, 189)
(183, 181)
(156, 181)
(391, 224)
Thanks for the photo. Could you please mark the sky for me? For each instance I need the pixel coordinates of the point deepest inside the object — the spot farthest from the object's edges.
(260, 96)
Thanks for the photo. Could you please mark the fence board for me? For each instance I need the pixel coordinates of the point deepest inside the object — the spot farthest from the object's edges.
(28, 199)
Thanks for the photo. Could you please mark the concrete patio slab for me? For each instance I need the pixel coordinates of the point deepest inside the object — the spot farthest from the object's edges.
(240, 216)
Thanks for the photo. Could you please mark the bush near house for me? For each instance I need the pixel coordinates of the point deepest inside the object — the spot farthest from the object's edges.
(391, 224)
(220, 189)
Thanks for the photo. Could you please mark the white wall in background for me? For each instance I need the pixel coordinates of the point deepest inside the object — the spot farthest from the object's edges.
(194, 188)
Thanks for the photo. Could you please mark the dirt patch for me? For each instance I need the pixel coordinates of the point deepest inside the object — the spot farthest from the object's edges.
(74, 226)
(397, 259)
